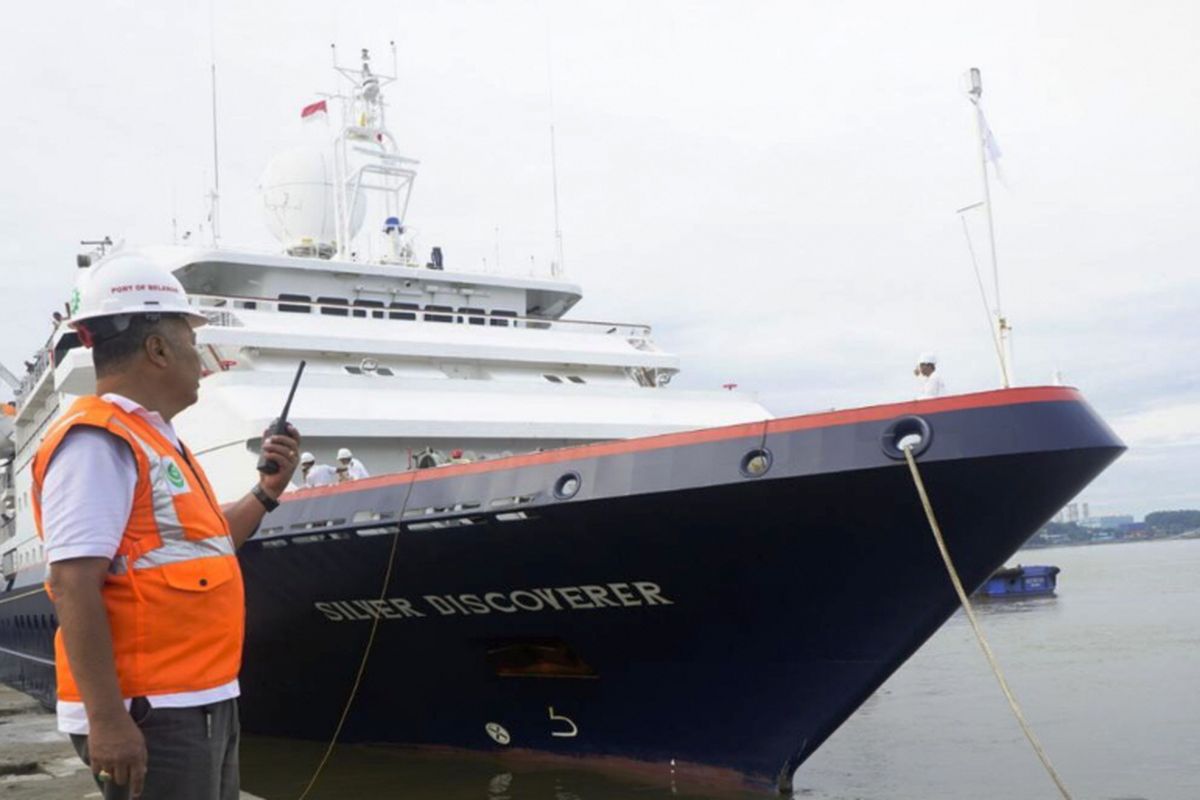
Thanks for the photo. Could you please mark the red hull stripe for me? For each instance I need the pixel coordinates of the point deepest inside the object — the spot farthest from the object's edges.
(827, 419)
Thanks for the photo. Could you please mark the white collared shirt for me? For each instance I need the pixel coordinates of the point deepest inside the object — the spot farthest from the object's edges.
(87, 498)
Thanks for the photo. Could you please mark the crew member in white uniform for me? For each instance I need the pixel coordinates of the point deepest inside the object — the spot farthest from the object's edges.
(926, 372)
(350, 468)
(314, 474)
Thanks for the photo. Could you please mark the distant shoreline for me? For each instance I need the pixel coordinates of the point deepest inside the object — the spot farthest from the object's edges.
(1031, 545)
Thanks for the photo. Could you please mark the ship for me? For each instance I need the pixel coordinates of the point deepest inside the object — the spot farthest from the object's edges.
(609, 570)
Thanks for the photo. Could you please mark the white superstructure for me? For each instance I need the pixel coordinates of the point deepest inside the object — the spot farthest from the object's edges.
(404, 357)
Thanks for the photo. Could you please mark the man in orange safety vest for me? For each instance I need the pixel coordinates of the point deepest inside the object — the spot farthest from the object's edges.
(142, 564)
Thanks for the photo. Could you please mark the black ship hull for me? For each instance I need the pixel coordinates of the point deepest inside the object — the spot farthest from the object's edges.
(650, 602)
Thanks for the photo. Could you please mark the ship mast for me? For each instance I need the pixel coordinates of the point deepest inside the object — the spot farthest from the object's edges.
(987, 149)
(214, 195)
(366, 157)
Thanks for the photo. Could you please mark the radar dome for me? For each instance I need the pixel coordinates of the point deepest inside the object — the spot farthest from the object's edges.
(297, 190)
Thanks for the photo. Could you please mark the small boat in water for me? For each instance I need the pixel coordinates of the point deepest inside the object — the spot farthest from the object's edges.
(1019, 581)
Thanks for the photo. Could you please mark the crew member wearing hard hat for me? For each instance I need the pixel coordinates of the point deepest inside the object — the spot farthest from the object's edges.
(930, 381)
(315, 474)
(350, 468)
(142, 569)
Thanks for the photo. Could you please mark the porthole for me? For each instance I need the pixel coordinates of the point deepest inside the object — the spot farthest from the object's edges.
(567, 486)
(756, 463)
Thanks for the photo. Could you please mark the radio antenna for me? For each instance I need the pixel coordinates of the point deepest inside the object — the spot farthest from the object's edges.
(556, 265)
(215, 194)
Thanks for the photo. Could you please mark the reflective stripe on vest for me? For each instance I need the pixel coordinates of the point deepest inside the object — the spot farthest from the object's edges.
(175, 545)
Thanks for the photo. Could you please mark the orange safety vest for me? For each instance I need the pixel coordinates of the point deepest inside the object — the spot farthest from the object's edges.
(174, 590)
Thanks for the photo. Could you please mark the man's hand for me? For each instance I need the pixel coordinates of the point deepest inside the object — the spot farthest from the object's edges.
(245, 515)
(116, 746)
(284, 450)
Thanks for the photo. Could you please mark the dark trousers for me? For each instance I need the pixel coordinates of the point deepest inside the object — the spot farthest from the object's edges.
(193, 753)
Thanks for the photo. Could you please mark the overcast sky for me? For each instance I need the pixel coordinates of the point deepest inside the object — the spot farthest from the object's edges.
(771, 185)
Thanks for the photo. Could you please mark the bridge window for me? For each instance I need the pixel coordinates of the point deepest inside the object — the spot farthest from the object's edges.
(360, 304)
(296, 298)
(403, 314)
(474, 315)
(500, 318)
(335, 302)
(69, 341)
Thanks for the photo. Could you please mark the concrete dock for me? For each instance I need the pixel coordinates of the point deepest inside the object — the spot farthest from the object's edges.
(36, 761)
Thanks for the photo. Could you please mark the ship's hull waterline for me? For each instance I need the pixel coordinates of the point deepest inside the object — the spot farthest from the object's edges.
(673, 611)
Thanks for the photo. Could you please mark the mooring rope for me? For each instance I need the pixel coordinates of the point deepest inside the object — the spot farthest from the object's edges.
(362, 664)
(970, 610)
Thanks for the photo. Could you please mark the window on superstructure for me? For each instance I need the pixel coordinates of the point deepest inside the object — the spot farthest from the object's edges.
(410, 314)
(500, 318)
(360, 304)
(435, 317)
(69, 341)
(333, 306)
(473, 316)
(553, 378)
(295, 298)
(575, 379)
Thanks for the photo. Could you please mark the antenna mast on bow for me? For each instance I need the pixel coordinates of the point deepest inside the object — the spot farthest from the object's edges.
(988, 150)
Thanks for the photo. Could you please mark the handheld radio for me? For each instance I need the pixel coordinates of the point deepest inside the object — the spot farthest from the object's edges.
(279, 425)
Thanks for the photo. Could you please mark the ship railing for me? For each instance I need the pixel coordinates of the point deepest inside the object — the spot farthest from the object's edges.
(224, 311)
(34, 374)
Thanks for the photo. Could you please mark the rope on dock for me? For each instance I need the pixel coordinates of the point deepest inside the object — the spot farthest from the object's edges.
(970, 611)
(362, 664)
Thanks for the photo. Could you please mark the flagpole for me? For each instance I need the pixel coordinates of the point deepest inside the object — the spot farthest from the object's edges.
(1002, 327)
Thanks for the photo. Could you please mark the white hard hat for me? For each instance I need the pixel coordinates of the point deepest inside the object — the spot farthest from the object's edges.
(127, 283)
(927, 358)
(345, 453)
(307, 458)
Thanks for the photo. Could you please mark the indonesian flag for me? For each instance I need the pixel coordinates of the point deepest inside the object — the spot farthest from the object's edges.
(313, 108)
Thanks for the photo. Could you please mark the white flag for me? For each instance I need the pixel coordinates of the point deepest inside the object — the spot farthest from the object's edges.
(991, 150)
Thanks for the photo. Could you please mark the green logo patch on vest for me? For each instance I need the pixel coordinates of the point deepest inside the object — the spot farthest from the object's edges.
(176, 483)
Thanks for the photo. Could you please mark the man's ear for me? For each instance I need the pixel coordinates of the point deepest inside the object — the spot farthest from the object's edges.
(157, 349)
